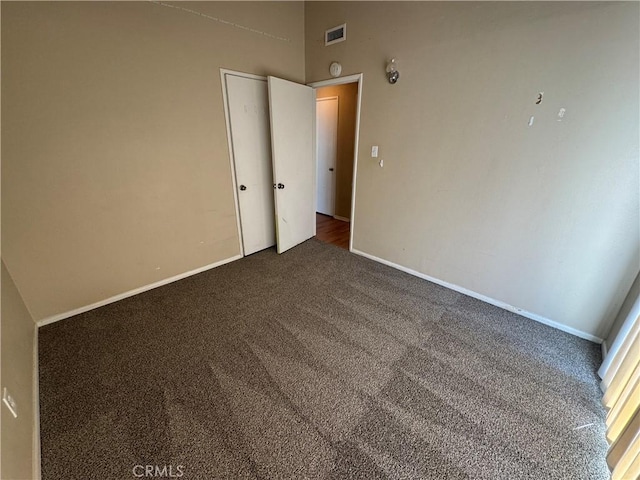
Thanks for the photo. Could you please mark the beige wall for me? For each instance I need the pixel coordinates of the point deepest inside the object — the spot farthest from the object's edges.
(18, 333)
(116, 172)
(347, 107)
(115, 166)
(544, 218)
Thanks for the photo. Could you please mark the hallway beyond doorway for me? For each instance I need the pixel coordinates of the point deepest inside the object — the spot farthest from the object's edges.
(330, 230)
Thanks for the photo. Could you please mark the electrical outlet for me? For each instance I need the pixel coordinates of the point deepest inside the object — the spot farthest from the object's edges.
(8, 400)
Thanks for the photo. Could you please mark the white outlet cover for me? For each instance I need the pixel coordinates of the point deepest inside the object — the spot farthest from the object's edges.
(374, 151)
(9, 402)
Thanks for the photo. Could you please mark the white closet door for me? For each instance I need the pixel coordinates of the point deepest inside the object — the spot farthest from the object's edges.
(292, 108)
(248, 101)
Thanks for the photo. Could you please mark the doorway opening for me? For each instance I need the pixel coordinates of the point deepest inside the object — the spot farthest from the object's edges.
(337, 125)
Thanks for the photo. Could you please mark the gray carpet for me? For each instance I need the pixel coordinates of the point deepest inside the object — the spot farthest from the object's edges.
(316, 364)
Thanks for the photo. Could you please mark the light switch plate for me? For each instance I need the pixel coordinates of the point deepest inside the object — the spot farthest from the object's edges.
(374, 151)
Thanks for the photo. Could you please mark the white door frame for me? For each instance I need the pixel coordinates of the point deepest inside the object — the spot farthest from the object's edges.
(227, 117)
(357, 78)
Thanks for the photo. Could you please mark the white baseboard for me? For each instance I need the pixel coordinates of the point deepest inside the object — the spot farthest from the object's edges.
(605, 349)
(136, 291)
(36, 469)
(343, 219)
(497, 303)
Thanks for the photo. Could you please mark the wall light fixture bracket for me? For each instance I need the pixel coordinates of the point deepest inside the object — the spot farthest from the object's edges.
(392, 71)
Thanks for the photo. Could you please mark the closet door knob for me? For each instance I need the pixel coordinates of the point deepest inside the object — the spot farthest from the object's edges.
(280, 186)
(331, 169)
(243, 188)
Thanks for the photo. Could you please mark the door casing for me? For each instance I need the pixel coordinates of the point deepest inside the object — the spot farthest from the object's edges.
(357, 78)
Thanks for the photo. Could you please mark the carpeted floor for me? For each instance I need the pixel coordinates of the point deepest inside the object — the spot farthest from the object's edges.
(315, 364)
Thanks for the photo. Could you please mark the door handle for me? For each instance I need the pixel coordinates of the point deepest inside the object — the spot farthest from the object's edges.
(243, 188)
(280, 186)
(331, 169)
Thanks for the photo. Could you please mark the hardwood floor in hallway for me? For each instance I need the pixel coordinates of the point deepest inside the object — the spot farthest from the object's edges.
(330, 230)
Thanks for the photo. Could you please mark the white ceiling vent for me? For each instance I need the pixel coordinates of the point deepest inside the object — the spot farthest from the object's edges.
(335, 34)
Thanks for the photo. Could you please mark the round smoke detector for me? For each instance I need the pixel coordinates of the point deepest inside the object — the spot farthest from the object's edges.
(335, 69)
